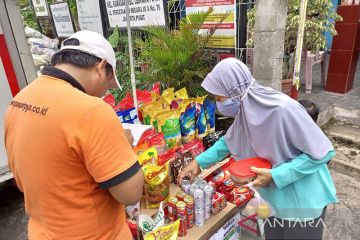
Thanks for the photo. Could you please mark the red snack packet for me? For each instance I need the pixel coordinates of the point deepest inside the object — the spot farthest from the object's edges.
(146, 135)
(195, 146)
(169, 155)
(158, 141)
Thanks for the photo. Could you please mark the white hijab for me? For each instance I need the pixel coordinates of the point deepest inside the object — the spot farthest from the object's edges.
(269, 124)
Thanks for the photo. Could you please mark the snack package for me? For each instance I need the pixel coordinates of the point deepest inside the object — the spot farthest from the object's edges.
(150, 156)
(157, 184)
(169, 124)
(167, 156)
(210, 115)
(158, 141)
(146, 135)
(195, 147)
(168, 95)
(181, 94)
(259, 206)
(187, 125)
(184, 104)
(201, 125)
(150, 110)
(240, 196)
(212, 138)
(140, 148)
(179, 163)
(166, 232)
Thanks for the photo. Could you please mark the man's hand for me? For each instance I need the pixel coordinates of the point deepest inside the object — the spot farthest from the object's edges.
(190, 171)
(263, 177)
(129, 136)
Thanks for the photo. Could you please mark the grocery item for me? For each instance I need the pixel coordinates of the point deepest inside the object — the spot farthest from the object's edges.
(158, 141)
(168, 95)
(157, 184)
(189, 201)
(172, 213)
(199, 199)
(210, 115)
(140, 148)
(181, 214)
(187, 125)
(201, 125)
(212, 138)
(169, 124)
(150, 156)
(257, 205)
(146, 135)
(181, 94)
(180, 162)
(208, 194)
(218, 203)
(199, 217)
(185, 186)
(240, 196)
(240, 170)
(168, 232)
(180, 195)
(167, 156)
(195, 147)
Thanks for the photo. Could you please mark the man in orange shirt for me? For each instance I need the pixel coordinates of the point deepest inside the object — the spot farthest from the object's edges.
(67, 149)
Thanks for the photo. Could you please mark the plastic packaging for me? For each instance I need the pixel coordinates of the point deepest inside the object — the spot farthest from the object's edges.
(210, 115)
(187, 124)
(201, 125)
(259, 206)
(169, 124)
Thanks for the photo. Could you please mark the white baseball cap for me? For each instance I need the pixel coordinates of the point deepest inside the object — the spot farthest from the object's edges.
(94, 44)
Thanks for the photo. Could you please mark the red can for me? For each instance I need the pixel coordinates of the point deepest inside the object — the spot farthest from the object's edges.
(180, 195)
(181, 214)
(172, 213)
(189, 201)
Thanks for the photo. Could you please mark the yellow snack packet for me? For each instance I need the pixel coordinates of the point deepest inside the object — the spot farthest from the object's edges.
(165, 232)
(157, 184)
(199, 99)
(183, 105)
(181, 94)
(150, 156)
(168, 95)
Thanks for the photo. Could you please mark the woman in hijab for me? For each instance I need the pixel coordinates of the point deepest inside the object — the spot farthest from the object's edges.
(271, 125)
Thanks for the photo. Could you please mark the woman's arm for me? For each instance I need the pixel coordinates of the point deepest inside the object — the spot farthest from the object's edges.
(296, 169)
(215, 153)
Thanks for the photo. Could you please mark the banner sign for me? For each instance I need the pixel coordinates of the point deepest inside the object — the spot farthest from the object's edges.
(89, 15)
(62, 19)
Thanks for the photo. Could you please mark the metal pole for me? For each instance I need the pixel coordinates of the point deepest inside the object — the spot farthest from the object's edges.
(132, 71)
(299, 45)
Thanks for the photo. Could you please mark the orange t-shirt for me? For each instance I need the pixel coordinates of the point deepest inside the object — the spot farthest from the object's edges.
(62, 144)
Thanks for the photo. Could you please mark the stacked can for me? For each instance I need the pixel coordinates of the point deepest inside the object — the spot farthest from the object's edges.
(180, 195)
(181, 214)
(208, 196)
(199, 207)
(192, 189)
(172, 208)
(185, 186)
(189, 201)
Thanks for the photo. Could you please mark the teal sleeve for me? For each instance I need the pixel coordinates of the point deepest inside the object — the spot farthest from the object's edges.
(296, 169)
(215, 153)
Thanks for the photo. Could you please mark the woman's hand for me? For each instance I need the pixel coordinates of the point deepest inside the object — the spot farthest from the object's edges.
(263, 177)
(190, 171)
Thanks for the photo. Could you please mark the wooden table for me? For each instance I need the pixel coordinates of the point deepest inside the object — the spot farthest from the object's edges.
(211, 225)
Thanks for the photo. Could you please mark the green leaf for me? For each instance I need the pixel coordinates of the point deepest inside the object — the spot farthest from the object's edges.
(114, 37)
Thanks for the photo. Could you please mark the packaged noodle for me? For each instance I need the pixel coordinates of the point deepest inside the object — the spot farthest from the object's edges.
(181, 94)
(157, 184)
(210, 115)
(168, 95)
(150, 156)
(201, 125)
(169, 124)
(166, 232)
(187, 125)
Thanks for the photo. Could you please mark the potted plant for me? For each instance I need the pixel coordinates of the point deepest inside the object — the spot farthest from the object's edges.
(320, 17)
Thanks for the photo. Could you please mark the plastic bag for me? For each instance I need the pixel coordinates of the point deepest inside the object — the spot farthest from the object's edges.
(166, 232)
(169, 124)
(158, 141)
(187, 125)
(259, 206)
(157, 184)
(168, 95)
(210, 115)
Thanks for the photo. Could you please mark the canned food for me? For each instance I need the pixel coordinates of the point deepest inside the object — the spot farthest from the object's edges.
(192, 189)
(189, 201)
(185, 186)
(199, 199)
(172, 213)
(208, 191)
(190, 220)
(181, 214)
(180, 195)
(199, 217)
(207, 212)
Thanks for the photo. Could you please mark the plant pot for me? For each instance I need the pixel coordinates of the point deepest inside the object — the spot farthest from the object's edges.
(144, 67)
(286, 85)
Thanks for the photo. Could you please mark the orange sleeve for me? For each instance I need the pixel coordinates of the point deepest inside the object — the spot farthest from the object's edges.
(100, 141)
